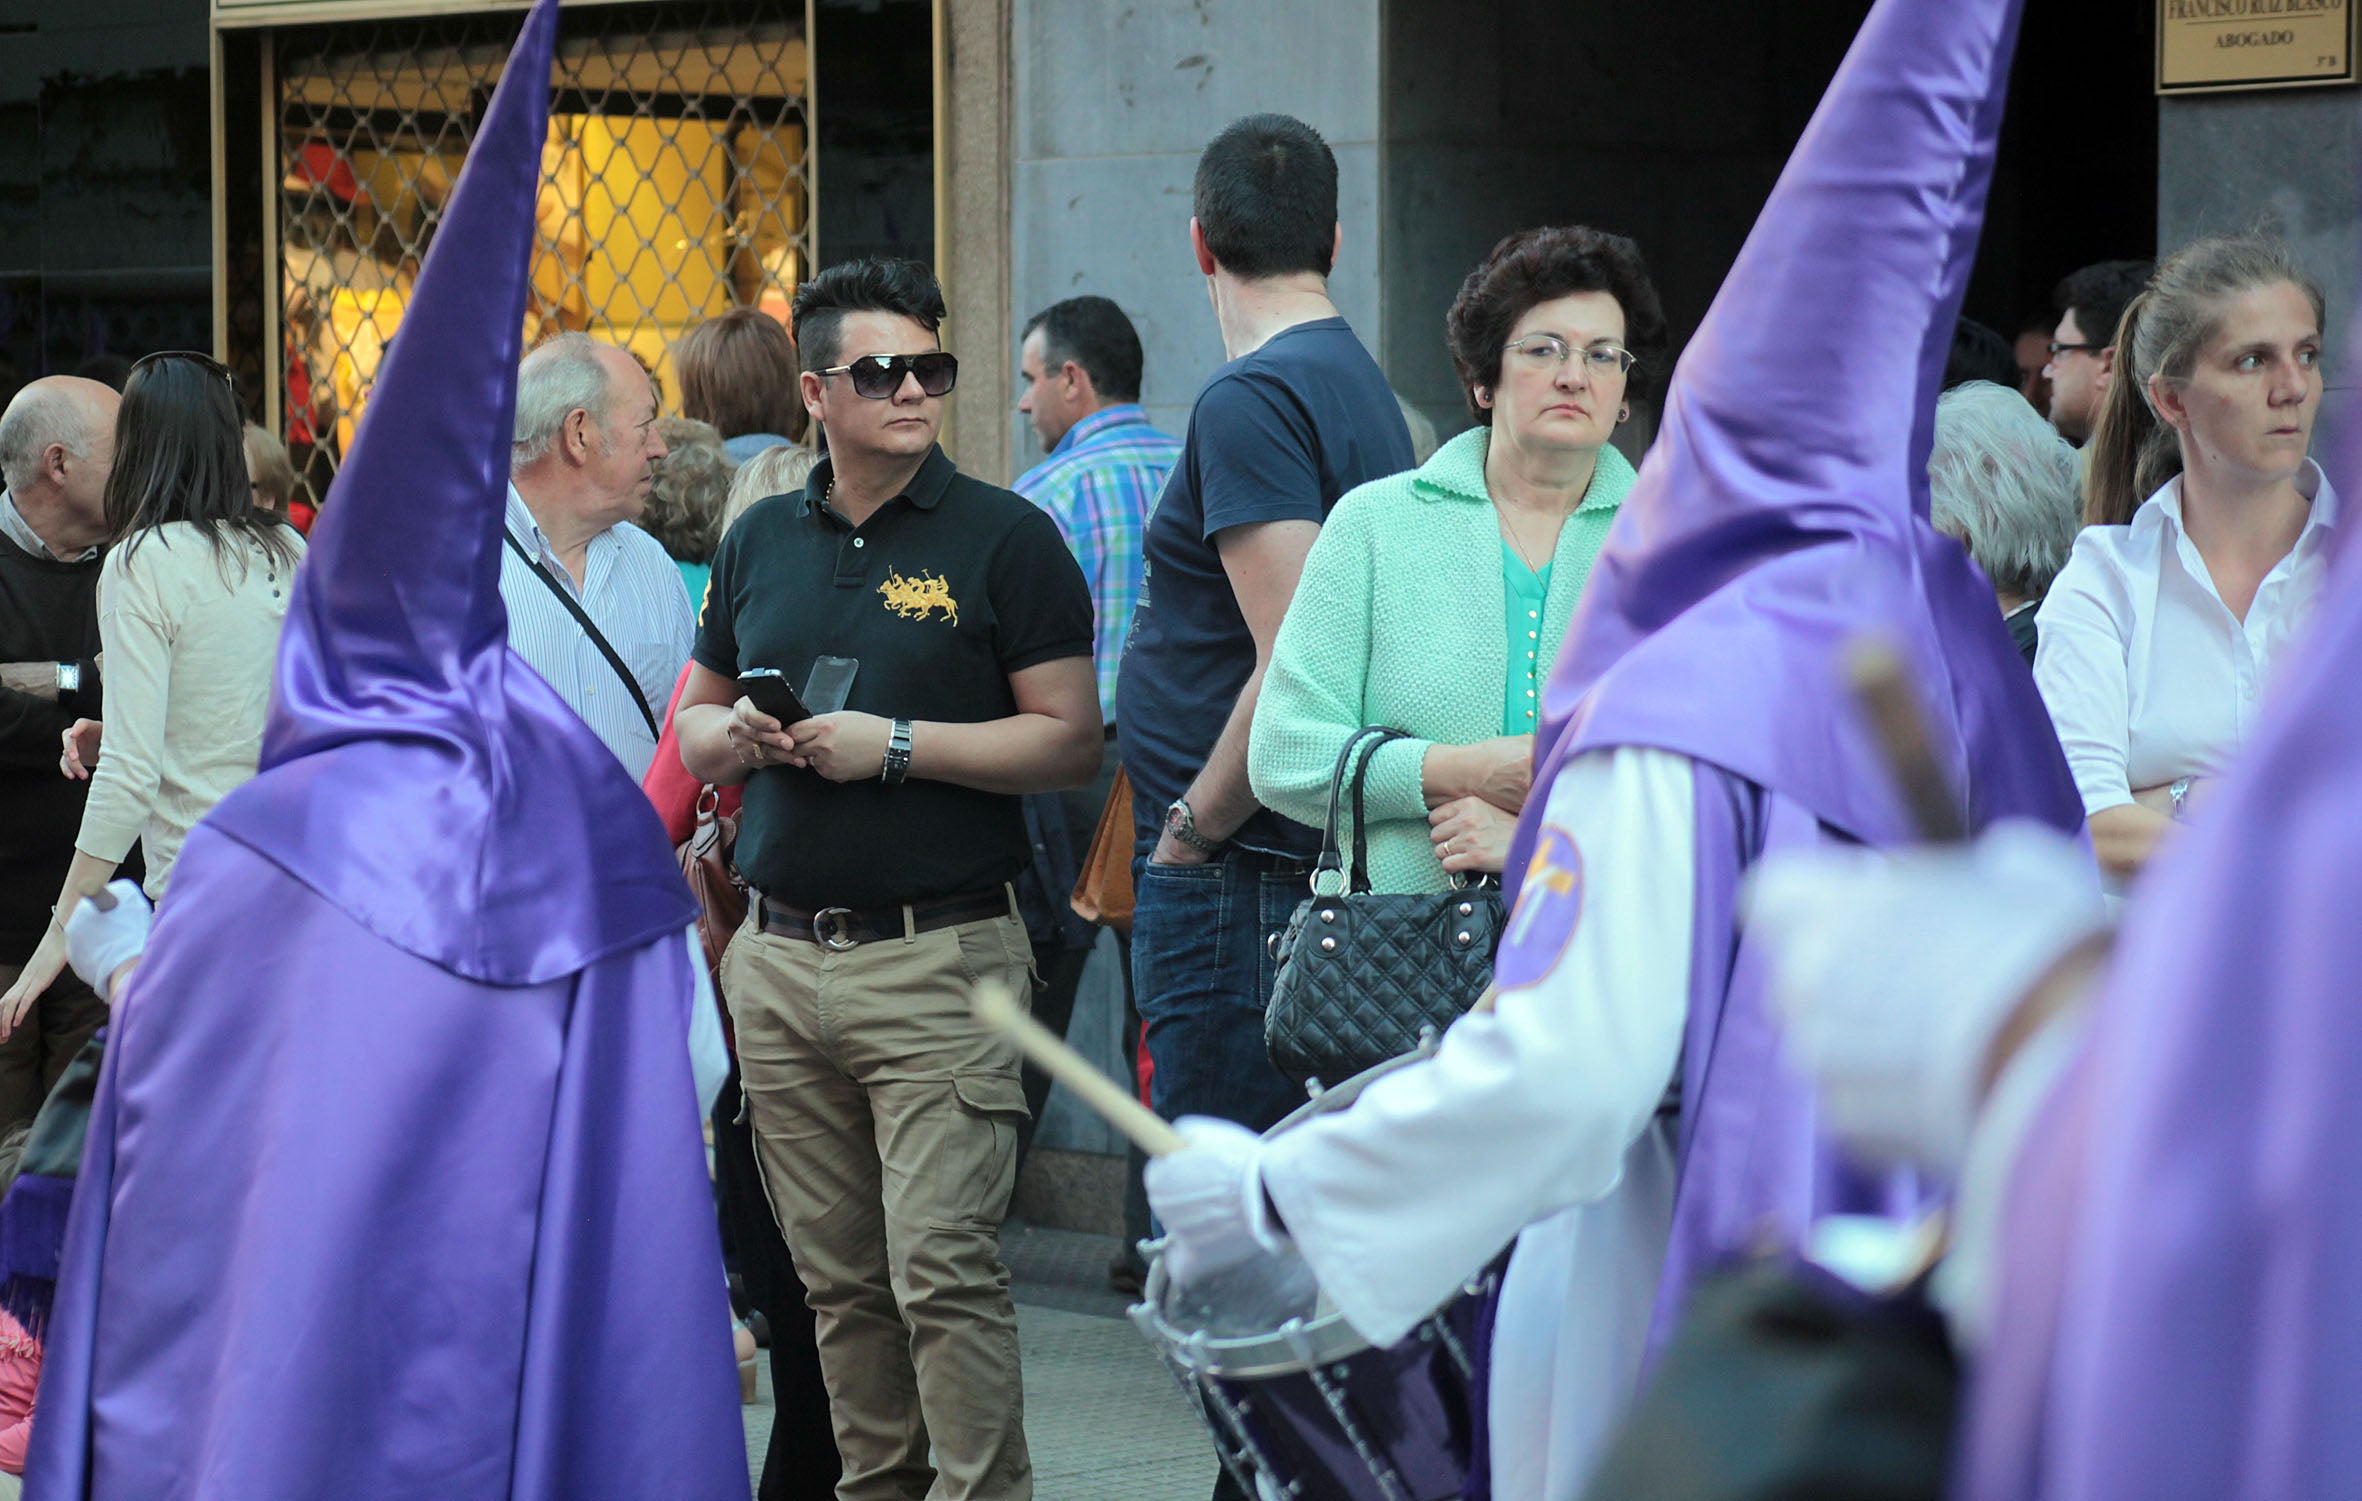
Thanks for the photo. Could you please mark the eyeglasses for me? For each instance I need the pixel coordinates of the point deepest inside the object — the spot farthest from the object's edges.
(2057, 349)
(1550, 352)
(191, 355)
(879, 376)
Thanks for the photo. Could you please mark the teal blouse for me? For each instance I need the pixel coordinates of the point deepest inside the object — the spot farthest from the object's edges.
(1527, 594)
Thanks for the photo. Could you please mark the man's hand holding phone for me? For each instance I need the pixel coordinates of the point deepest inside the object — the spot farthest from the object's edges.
(844, 746)
(759, 740)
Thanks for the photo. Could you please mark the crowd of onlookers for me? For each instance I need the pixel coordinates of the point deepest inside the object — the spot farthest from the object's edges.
(1191, 627)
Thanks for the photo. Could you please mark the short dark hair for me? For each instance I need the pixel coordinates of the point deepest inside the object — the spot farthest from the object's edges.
(1266, 198)
(1094, 333)
(873, 284)
(1978, 353)
(738, 372)
(1534, 266)
(2098, 295)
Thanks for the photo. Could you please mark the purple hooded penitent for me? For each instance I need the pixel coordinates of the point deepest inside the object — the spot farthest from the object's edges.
(1782, 513)
(2180, 1296)
(394, 1184)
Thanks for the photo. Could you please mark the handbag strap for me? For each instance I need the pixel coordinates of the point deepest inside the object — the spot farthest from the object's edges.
(1332, 860)
(591, 627)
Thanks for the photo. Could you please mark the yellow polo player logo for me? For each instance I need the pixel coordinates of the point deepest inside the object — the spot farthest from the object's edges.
(918, 597)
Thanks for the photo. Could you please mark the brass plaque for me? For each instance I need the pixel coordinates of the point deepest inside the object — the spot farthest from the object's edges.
(2212, 46)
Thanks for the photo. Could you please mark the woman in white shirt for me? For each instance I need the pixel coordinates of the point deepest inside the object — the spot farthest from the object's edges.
(190, 601)
(2207, 536)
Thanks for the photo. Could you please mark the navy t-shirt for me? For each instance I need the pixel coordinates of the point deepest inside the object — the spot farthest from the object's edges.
(1276, 435)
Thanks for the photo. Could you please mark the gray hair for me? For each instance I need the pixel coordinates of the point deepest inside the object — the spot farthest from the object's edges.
(777, 470)
(40, 415)
(562, 376)
(2003, 481)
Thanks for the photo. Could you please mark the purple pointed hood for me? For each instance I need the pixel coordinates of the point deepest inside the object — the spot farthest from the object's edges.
(1783, 508)
(414, 772)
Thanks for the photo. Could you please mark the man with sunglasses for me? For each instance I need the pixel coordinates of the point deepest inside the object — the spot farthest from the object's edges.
(2090, 304)
(882, 840)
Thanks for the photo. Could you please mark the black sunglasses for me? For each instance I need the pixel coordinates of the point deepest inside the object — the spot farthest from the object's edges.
(208, 361)
(879, 376)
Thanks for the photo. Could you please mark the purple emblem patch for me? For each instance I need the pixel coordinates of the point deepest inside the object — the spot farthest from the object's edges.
(1543, 922)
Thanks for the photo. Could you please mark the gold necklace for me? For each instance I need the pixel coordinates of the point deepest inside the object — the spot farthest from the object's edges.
(1509, 535)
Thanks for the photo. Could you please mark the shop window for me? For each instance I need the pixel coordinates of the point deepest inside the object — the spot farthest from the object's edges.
(675, 185)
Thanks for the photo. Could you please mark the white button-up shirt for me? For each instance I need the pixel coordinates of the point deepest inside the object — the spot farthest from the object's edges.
(632, 588)
(2148, 675)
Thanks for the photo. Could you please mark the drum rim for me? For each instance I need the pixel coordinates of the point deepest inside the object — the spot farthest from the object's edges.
(1255, 1357)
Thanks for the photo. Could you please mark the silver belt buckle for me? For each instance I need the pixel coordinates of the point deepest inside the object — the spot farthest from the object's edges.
(831, 931)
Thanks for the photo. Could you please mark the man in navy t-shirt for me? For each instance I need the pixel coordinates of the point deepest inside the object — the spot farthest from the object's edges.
(1298, 416)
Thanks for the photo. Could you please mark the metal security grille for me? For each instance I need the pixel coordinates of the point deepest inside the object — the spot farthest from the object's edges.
(675, 184)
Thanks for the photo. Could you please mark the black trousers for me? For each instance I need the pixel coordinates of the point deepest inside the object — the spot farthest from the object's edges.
(802, 1463)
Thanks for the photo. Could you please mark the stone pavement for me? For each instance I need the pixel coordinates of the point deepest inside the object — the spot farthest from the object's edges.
(1103, 1418)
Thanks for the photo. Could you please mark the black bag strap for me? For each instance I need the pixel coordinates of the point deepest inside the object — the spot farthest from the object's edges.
(1332, 859)
(598, 637)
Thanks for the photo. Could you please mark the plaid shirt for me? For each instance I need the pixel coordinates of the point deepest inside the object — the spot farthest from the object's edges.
(1099, 484)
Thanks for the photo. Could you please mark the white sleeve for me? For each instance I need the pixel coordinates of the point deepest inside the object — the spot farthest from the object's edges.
(709, 1056)
(2079, 666)
(1401, 1198)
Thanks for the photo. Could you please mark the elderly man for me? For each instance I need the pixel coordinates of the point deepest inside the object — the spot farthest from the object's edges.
(594, 604)
(57, 442)
(2003, 482)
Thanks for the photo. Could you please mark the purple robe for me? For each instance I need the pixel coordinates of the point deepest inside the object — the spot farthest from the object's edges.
(395, 1184)
(349, 1225)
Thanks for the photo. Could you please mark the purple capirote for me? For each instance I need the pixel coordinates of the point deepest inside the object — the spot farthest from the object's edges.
(2180, 1294)
(1781, 515)
(394, 1184)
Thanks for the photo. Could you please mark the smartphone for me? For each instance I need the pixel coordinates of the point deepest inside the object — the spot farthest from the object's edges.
(830, 684)
(767, 686)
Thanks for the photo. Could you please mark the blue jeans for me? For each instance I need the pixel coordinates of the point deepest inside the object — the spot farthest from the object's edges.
(1202, 973)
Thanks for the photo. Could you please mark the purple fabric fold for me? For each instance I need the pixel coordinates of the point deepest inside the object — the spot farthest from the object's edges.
(32, 1229)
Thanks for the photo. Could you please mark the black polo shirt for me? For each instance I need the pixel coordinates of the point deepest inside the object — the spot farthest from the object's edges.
(943, 593)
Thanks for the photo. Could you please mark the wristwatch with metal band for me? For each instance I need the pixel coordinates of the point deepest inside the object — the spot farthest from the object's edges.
(1181, 823)
(897, 754)
(2180, 793)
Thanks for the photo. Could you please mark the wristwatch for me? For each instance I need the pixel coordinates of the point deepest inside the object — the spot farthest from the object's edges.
(2180, 793)
(1181, 823)
(69, 682)
(897, 754)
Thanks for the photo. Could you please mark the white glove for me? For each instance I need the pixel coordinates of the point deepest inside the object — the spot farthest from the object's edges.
(1893, 970)
(1210, 1199)
(98, 943)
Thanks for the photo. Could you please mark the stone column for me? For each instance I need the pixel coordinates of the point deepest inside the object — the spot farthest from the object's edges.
(975, 236)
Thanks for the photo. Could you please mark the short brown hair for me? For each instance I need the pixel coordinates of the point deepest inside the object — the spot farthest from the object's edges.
(274, 475)
(738, 372)
(1534, 266)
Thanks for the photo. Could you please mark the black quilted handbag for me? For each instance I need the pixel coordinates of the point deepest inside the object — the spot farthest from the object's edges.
(1362, 974)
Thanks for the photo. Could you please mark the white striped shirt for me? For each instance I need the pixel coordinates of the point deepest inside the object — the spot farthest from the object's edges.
(632, 588)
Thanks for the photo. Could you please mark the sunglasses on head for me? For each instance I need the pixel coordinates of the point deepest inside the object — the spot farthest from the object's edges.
(191, 355)
(879, 376)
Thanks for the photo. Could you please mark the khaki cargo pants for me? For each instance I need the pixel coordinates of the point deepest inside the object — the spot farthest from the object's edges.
(885, 1118)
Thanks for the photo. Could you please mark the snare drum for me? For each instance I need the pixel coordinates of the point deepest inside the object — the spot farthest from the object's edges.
(1306, 1409)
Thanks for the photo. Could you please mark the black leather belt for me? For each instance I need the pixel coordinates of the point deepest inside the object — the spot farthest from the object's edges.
(842, 928)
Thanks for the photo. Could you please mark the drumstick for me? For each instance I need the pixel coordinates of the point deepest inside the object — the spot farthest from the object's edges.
(997, 1008)
(1881, 686)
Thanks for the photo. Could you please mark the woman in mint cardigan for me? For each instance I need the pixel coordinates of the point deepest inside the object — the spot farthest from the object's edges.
(1435, 601)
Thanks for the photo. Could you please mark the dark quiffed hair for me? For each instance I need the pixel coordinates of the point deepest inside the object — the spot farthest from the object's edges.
(875, 284)
(1535, 266)
(180, 455)
(2097, 296)
(738, 372)
(1266, 198)
(1094, 333)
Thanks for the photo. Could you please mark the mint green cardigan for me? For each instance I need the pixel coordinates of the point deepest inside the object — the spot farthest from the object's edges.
(1398, 621)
